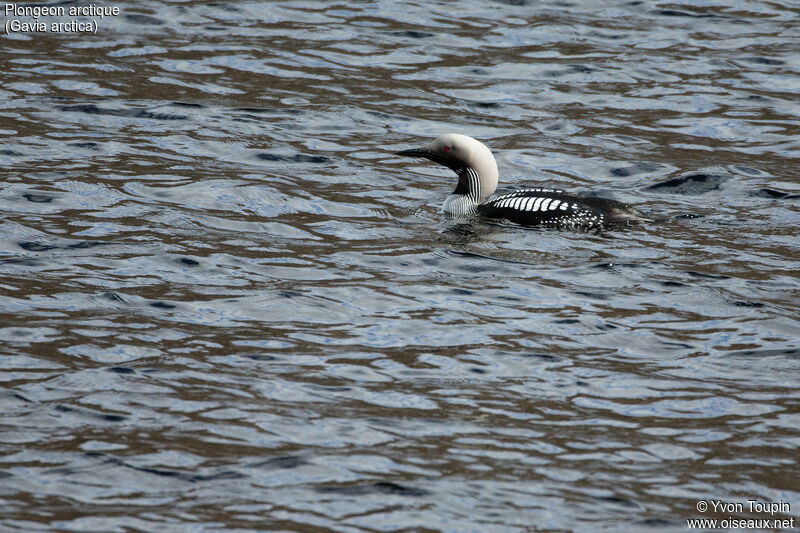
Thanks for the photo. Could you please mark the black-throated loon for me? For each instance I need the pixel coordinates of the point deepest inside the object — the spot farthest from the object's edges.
(477, 181)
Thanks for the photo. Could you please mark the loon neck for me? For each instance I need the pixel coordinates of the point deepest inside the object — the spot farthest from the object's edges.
(469, 193)
(459, 205)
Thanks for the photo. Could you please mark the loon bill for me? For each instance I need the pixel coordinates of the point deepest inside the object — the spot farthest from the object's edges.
(477, 181)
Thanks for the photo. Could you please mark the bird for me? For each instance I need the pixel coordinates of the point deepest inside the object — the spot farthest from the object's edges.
(476, 168)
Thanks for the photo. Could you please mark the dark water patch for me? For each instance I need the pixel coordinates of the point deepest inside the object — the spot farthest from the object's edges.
(609, 36)
(679, 13)
(11, 153)
(580, 68)
(487, 105)
(616, 500)
(592, 295)
(261, 357)
(677, 345)
(332, 388)
(289, 294)
(748, 303)
(690, 184)
(759, 60)
(793, 353)
(162, 305)
(413, 34)
(122, 370)
(89, 145)
(84, 245)
(188, 104)
(103, 417)
(772, 194)
(476, 370)
(92, 109)
(543, 356)
(144, 20)
(38, 198)
(36, 246)
(227, 6)
(633, 170)
(669, 283)
(380, 114)
(706, 275)
(380, 487)
(297, 158)
(21, 398)
(24, 261)
(33, 246)
(188, 262)
(518, 3)
(289, 461)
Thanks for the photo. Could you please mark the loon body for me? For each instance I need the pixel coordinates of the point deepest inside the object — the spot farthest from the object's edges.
(477, 181)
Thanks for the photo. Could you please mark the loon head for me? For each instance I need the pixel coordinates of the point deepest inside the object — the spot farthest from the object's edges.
(471, 160)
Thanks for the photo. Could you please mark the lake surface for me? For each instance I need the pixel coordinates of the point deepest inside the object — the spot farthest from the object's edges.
(225, 305)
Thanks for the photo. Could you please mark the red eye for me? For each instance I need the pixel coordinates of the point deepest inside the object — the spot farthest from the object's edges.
(446, 148)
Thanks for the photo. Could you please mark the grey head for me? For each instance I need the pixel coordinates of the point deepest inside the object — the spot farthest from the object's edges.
(471, 160)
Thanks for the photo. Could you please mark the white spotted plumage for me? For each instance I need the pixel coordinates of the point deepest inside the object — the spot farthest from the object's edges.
(528, 204)
(543, 206)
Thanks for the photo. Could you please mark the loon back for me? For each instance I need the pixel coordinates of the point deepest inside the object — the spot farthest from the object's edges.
(557, 208)
(477, 180)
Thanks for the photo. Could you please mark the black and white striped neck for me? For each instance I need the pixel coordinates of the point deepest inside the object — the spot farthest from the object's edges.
(465, 199)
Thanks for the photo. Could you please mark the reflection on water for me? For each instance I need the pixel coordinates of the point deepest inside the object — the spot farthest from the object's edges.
(227, 306)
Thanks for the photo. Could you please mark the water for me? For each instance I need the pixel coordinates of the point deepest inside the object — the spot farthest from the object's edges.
(226, 306)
